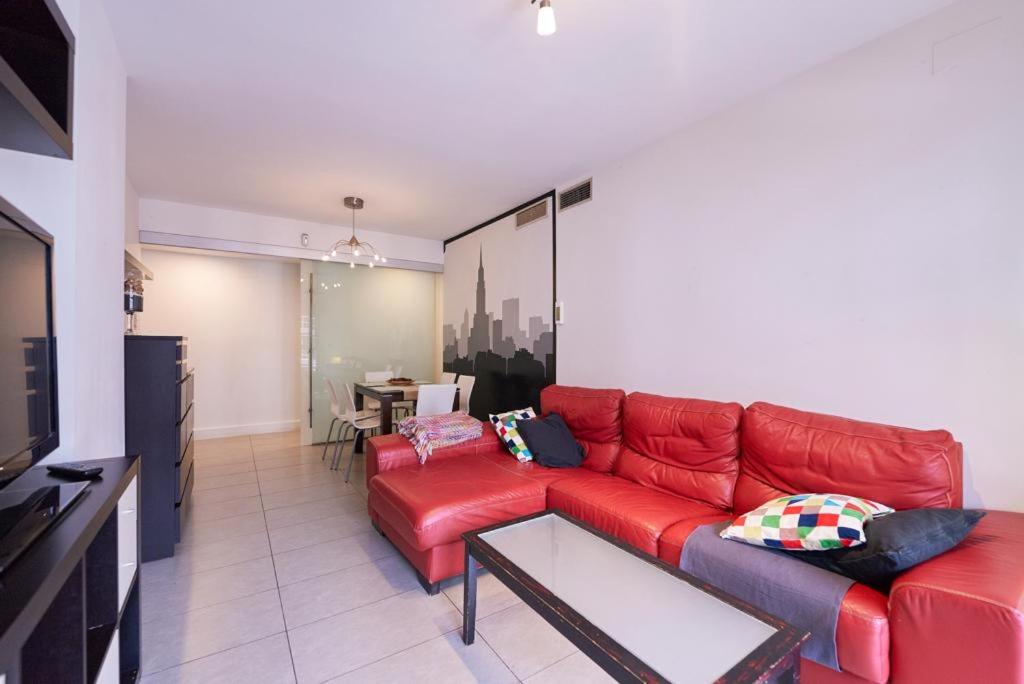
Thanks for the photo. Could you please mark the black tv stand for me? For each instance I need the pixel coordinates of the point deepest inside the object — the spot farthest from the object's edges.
(69, 605)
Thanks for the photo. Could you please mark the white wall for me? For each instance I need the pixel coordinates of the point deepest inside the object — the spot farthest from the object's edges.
(849, 242)
(100, 111)
(131, 219)
(81, 202)
(241, 316)
(188, 225)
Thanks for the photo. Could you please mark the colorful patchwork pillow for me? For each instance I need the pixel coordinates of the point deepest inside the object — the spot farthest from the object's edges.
(505, 426)
(807, 522)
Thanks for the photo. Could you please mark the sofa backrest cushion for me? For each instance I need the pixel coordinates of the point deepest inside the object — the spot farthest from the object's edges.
(595, 418)
(786, 451)
(687, 447)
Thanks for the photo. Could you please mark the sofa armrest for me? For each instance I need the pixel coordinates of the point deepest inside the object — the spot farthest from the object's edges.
(389, 452)
(958, 617)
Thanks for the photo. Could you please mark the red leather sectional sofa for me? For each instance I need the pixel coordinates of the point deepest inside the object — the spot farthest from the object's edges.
(657, 468)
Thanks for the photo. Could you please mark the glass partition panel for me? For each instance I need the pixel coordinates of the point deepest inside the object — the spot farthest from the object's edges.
(367, 319)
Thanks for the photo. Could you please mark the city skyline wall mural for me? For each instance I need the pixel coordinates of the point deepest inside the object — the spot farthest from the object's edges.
(497, 322)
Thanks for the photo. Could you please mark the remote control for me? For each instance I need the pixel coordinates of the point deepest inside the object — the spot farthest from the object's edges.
(75, 471)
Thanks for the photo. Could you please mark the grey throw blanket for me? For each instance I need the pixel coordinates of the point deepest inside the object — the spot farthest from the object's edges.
(799, 593)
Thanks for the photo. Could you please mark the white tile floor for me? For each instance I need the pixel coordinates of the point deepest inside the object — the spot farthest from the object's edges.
(281, 578)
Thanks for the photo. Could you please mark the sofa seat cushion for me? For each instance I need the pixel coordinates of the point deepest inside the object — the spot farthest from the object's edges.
(670, 544)
(539, 473)
(635, 514)
(434, 504)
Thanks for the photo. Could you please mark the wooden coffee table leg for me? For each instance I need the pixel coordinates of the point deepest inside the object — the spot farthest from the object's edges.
(791, 674)
(469, 600)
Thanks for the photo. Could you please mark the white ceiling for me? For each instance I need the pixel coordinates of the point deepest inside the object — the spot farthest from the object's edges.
(441, 114)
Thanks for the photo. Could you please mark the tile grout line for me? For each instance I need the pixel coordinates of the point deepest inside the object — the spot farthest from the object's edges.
(208, 655)
(225, 650)
(277, 582)
(489, 645)
(183, 576)
(278, 586)
(545, 669)
(462, 612)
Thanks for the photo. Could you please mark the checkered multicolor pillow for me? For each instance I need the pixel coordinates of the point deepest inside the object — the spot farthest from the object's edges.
(505, 426)
(807, 522)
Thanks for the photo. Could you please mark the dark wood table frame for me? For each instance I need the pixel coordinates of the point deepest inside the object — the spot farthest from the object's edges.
(386, 399)
(777, 659)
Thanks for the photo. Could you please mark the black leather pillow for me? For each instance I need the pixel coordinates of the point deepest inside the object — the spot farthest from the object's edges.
(551, 442)
(897, 542)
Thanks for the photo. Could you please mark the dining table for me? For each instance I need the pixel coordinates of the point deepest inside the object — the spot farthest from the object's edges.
(386, 394)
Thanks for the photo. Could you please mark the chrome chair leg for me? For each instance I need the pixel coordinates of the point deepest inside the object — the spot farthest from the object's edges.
(352, 455)
(328, 442)
(339, 445)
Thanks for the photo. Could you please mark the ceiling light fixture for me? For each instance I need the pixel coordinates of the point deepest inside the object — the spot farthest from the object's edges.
(545, 18)
(354, 247)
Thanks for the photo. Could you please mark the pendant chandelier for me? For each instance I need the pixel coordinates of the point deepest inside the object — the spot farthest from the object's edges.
(353, 247)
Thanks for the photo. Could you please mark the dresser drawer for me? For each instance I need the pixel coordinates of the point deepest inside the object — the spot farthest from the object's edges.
(184, 433)
(183, 468)
(181, 357)
(184, 506)
(186, 390)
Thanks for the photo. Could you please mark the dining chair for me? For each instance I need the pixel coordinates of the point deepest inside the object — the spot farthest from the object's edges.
(339, 415)
(465, 385)
(448, 378)
(379, 376)
(353, 421)
(434, 400)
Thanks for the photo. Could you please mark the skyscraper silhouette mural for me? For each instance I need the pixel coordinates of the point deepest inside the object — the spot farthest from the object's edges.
(511, 365)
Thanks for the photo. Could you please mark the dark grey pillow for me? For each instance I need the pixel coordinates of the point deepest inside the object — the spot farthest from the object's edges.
(897, 542)
(551, 442)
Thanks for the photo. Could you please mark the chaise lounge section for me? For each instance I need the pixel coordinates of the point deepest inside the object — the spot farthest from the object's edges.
(657, 468)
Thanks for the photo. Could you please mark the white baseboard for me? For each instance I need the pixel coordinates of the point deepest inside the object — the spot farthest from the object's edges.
(239, 430)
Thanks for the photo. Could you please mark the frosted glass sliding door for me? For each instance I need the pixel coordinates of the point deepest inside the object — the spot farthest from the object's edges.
(367, 319)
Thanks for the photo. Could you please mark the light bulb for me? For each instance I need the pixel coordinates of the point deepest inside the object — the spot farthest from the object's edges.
(351, 264)
(371, 264)
(355, 251)
(325, 258)
(546, 19)
(384, 260)
(376, 257)
(334, 252)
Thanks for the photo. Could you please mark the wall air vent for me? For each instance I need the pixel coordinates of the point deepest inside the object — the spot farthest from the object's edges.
(534, 213)
(577, 194)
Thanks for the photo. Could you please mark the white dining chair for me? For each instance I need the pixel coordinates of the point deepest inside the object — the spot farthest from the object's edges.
(339, 415)
(465, 385)
(354, 422)
(433, 400)
(448, 378)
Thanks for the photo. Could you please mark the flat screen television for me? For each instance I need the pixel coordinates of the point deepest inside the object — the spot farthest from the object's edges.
(28, 352)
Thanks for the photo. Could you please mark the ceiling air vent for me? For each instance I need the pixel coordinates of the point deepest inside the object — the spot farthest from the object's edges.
(577, 194)
(534, 213)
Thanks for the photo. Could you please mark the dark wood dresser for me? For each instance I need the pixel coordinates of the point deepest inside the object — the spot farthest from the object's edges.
(158, 388)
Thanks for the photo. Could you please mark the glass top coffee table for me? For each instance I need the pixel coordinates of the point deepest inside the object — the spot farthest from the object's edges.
(637, 617)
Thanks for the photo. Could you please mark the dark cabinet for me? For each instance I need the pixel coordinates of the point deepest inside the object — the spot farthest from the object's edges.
(159, 414)
(37, 66)
(69, 606)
